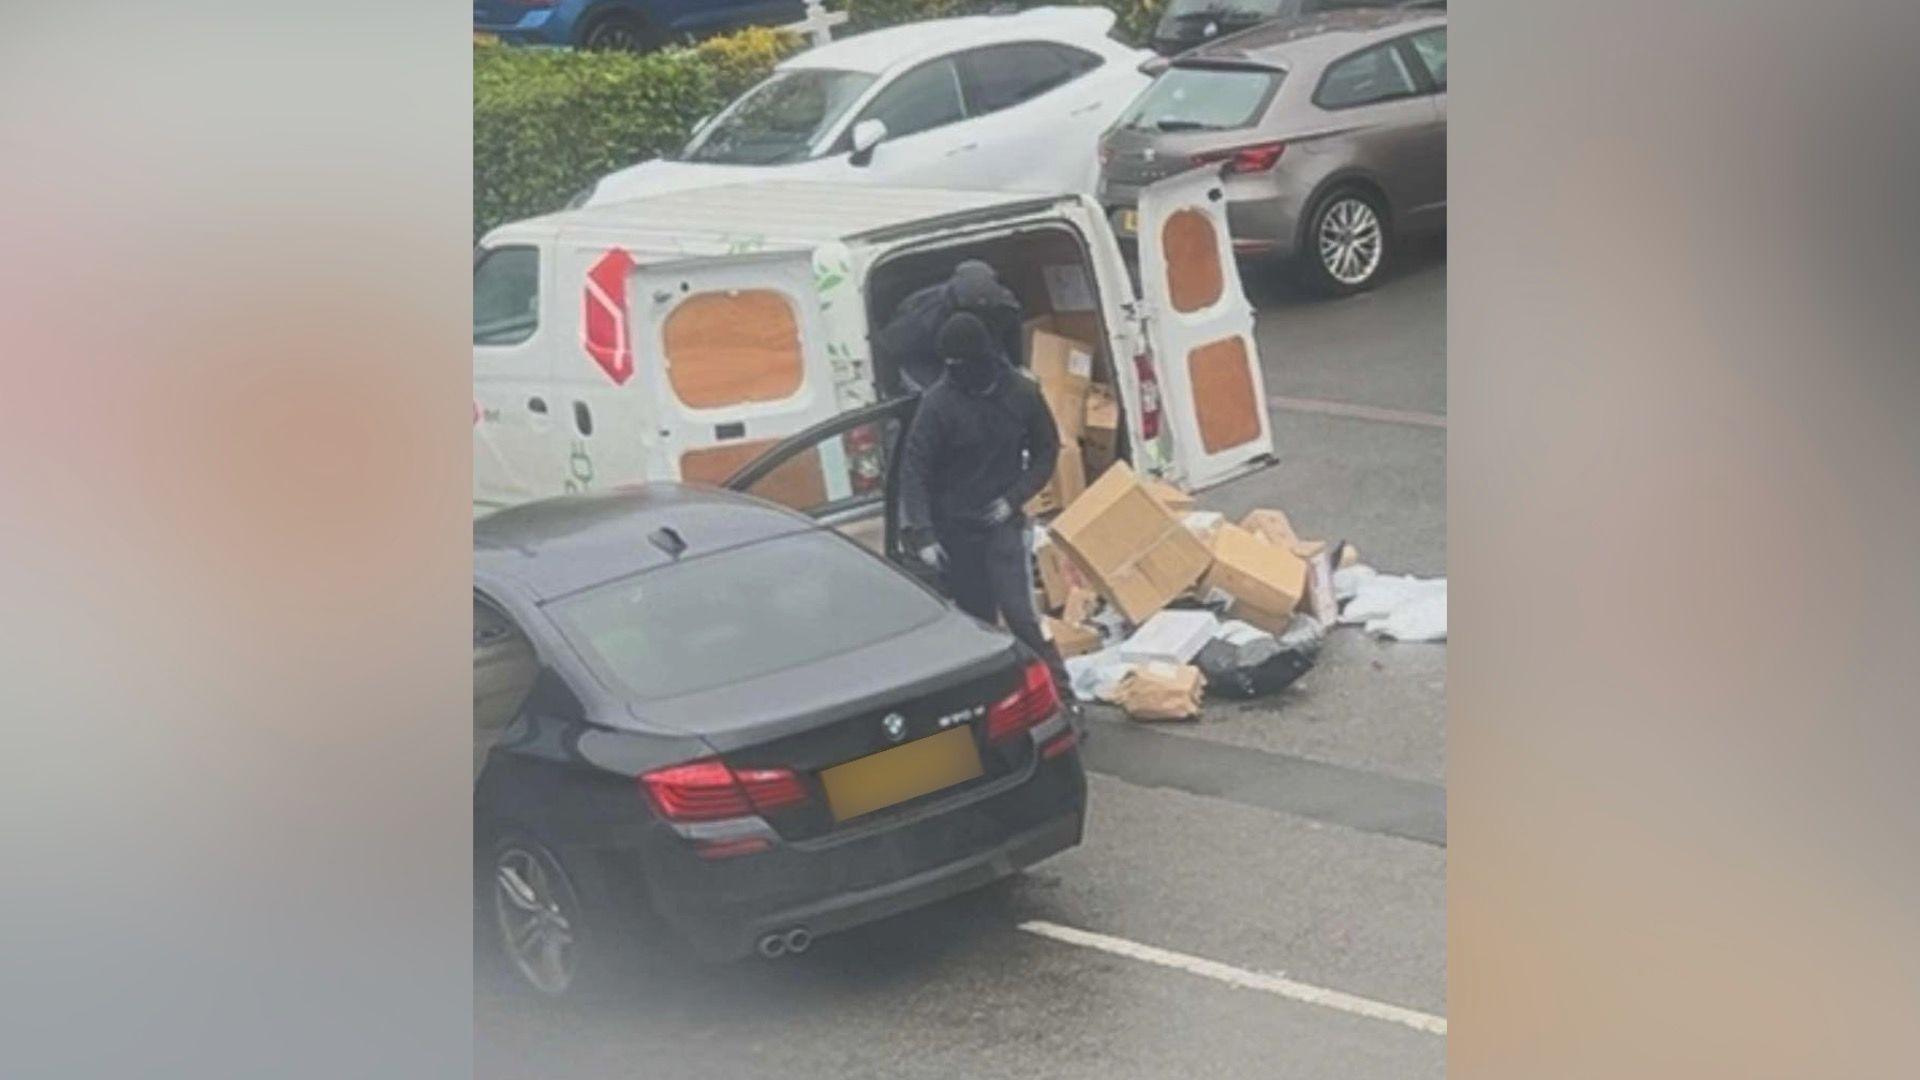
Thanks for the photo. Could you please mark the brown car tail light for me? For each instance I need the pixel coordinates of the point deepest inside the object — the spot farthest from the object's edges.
(708, 790)
(1244, 159)
(1032, 702)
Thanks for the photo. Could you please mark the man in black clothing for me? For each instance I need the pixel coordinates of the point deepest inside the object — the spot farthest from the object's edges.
(982, 443)
(903, 350)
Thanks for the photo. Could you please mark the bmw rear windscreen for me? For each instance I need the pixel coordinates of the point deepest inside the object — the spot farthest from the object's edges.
(740, 614)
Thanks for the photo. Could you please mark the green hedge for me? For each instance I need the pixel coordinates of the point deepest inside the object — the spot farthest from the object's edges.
(548, 122)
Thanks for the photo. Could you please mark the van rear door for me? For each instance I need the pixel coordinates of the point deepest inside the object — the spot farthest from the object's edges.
(733, 357)
(1200, 326)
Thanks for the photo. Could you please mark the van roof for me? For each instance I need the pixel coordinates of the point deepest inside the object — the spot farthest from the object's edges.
(878, 51)
(782, 215)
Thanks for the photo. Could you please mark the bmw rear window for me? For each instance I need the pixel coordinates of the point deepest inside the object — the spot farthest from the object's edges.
(736, 615)
(1203, 99)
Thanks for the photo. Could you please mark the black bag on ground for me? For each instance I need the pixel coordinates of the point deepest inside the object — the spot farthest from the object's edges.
(1262, 665)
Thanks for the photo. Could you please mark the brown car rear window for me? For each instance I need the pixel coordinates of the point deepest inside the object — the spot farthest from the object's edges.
(1203, 99)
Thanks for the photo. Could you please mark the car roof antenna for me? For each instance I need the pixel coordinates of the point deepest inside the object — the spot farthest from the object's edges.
(668, 541)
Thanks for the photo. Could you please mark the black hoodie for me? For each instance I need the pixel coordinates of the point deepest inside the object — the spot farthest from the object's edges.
(982, 432)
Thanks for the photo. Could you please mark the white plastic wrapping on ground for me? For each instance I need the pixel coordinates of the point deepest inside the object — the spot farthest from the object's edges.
(1097, 674)
(1393, 606)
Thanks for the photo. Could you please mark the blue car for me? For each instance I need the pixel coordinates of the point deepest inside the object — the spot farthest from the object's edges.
(624, 24)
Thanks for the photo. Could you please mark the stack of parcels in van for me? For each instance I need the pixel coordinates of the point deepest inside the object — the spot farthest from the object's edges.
(1064, 369)
(1084, 403)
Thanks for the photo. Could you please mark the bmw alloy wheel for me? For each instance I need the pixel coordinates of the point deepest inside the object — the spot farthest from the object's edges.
(536, 920)
(1350, 241)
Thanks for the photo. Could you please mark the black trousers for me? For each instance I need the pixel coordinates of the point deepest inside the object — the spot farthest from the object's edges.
(990, 574)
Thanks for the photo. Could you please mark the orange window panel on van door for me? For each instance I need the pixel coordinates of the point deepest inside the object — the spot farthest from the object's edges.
(733, 348)
(1191, 248)
(1223, 396)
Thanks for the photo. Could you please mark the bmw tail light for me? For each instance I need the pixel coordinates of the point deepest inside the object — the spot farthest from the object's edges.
(1244, 159)
(1034, 700)
(771, 789)
(707, 790)
(1149, 394)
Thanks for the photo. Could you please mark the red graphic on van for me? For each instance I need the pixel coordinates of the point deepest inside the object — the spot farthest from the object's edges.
(603, 323)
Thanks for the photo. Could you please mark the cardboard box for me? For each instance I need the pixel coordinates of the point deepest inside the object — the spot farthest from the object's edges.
(1265, 581)
(1069, 480)
(1058, 576)
(1273, 527)
(1203, 524)
(1100, 429)
(1071, 638)
(1081, 326)
(1082, 603)
(1129, 546)
(1175, 500)
(1064, 368)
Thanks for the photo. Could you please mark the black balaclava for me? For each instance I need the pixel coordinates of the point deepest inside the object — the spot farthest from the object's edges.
(973, 358)
(974, 287)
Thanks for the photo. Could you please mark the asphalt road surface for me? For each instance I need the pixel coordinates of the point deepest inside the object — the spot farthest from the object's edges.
(1260, 894)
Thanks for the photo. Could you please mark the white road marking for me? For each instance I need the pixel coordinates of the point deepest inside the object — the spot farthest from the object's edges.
(1233, 976)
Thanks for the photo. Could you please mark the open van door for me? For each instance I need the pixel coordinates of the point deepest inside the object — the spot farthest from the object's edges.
(1200, 326)
(842, 473)
(733, 359)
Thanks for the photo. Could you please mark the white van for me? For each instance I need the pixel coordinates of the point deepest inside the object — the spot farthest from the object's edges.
(682, 336)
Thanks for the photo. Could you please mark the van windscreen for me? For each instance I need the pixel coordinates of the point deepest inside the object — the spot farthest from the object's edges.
(779, 121)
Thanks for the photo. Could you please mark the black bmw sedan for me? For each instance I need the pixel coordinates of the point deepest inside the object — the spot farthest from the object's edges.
(702, 718)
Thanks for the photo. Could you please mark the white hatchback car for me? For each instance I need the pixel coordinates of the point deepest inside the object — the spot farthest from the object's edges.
(997, 102)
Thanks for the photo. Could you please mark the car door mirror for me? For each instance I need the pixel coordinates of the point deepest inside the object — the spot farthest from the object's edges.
(867, 134)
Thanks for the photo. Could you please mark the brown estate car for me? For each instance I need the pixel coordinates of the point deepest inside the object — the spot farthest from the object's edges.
(1331, 132)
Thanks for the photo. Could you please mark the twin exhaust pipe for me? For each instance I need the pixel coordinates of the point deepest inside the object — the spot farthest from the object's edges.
(793, 942)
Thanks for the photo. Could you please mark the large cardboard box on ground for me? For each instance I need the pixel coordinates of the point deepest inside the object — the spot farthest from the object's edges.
(1069, 480)
(1058, 576)
(1265, 581)
(1175, 500)
(1273, 527)
(1137, 554)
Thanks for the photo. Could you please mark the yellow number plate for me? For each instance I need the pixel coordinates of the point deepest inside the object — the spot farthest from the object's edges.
(1129, 221)
(880, 780)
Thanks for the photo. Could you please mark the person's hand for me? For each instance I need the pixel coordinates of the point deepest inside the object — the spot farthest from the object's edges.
(932, 555)
(998, 512)
(926, 548)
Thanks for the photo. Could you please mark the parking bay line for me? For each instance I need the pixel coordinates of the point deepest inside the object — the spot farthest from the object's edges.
(1247, 980)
